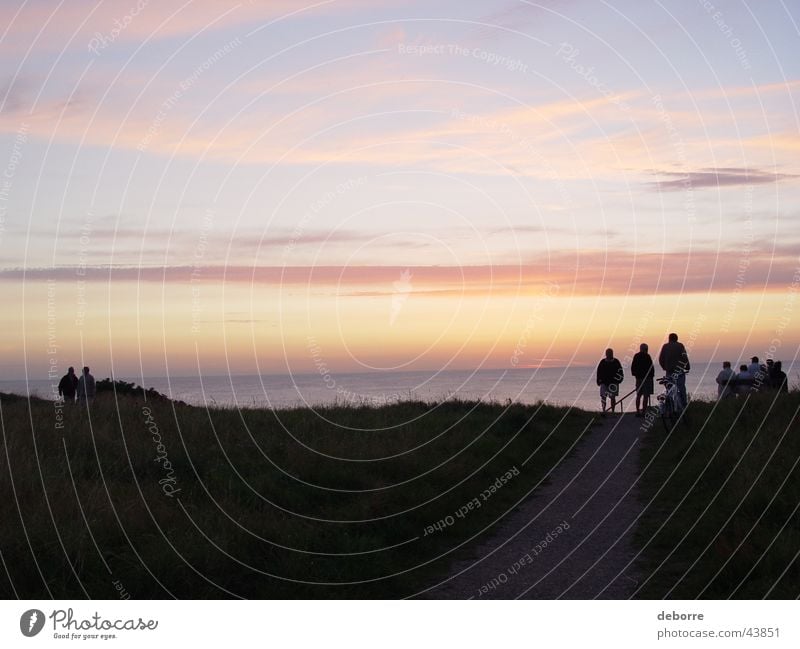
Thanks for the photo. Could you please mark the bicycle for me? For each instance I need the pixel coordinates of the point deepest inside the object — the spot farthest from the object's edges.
(670, 405)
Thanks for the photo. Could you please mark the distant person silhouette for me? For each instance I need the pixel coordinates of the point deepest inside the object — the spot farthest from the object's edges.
(643, 370)
(759, 372)
(68, 386)
(609, 376)
(780, 381)
(744, 381)
(674, 360)
(726, 381)
(770, 371)
(86, 387)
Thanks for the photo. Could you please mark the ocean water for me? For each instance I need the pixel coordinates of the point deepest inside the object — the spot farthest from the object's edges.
(571, 386)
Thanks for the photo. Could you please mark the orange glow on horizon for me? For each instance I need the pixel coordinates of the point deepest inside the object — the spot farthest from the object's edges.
(170, 329)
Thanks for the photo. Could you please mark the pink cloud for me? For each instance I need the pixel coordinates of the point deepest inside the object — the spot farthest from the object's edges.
(593, 273)
(136, 20)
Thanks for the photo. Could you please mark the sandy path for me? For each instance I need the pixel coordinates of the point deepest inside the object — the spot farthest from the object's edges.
(572, 538)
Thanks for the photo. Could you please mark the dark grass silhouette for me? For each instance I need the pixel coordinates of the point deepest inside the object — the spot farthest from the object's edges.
(259, 499)
(724, 520)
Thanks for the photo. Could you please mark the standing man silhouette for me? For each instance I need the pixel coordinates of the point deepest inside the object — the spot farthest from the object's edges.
(642, 368)
(68, 385)
(86, 387)
(609, 376)
(674, 360)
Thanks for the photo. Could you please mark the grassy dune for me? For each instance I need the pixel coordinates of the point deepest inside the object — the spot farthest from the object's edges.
(161, 499)
(725, 494)
(152, 499)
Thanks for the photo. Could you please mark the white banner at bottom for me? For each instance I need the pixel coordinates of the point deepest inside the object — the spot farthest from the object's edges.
(391, 624)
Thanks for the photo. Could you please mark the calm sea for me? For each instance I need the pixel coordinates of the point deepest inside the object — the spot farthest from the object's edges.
(572, 386)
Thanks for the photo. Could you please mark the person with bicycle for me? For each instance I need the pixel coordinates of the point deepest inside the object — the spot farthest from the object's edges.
(674, 360)
(609, 376)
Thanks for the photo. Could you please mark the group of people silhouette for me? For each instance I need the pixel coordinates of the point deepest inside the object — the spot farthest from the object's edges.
(71, 387)
(751, 378)
(674, 360)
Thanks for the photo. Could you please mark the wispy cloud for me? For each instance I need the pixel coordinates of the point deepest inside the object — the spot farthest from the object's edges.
(444, 126)
(716, 177)
(586, 272)
(15, 94)
(54, 24)
(155, 246)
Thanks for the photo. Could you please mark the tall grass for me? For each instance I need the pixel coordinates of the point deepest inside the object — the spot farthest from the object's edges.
(264, 504)
(722, 499)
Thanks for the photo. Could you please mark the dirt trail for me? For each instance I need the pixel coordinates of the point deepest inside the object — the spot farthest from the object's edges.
(572, 538)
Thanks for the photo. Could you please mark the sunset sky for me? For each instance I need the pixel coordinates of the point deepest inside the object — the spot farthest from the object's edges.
(216, 187)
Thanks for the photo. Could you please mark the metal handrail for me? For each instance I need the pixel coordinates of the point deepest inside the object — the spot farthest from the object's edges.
(619, 402)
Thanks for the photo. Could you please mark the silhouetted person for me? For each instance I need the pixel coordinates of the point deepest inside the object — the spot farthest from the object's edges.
(744, 381)
(86, 387)
(726, 381)
(770, 371)
(779, 380)
(68, 385)
(609, 376)
(642, 368)
(674, 360)
(759, 372)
